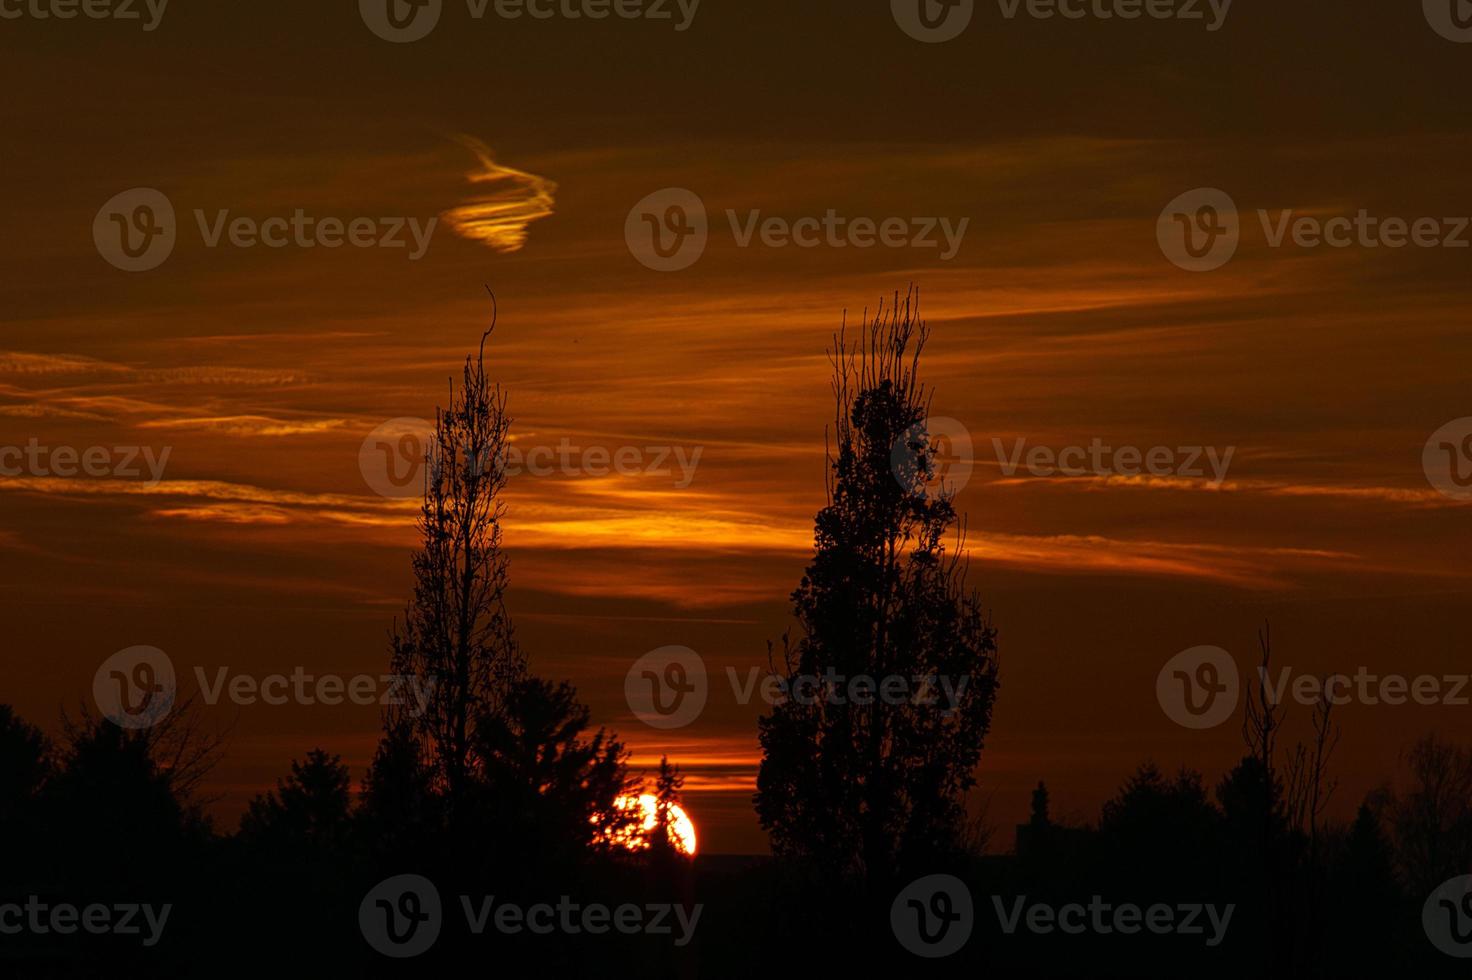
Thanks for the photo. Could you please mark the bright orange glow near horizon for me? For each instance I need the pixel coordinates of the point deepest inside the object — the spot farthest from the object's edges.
(681, 828)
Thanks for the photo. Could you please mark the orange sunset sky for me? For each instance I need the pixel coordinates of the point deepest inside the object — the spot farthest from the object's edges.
(1059, 321)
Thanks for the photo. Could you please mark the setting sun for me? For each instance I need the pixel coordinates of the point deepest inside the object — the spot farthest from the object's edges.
(681, 830)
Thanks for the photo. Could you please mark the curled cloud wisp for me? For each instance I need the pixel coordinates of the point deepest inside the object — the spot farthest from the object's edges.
(509, 201)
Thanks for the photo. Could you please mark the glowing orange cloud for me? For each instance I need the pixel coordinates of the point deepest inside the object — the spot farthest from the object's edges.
(514, 200)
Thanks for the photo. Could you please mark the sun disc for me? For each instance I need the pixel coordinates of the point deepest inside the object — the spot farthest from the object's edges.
(646, 811)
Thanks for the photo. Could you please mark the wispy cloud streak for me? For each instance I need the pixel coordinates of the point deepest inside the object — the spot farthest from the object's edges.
(510, 201)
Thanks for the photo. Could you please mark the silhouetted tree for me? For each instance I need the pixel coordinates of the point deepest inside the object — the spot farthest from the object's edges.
(456, 636)
(1366, 867)
(864, 789)
(544, 787)
(25, 768)
(310, 810)
(398, 810)
(1161, 832)
(1310, 788)
(667, 784)
(1431, 819)
(122, 799)
(1259, 856)
(1362, 899)
(1272, 815)
(1255, 790)
(293, 858)
(25, 764)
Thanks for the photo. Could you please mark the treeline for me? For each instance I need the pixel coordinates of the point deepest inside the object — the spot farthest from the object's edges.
(109, 816)
(490, 782)
(495, 783)
(1309, 899)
